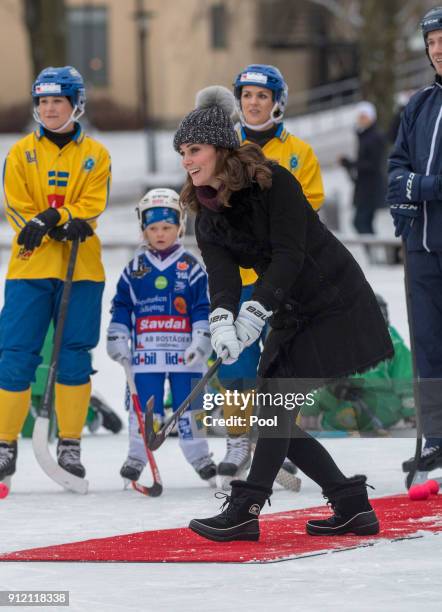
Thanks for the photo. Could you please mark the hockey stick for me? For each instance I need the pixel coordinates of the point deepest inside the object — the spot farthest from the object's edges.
(416, 391)
(41, 428)
(157, 488)
(155, 440)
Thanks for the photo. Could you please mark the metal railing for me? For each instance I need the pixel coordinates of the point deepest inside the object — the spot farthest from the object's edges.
(409, 75)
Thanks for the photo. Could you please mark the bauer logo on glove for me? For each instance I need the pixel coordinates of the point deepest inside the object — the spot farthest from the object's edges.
(257, 312)
(250, 322)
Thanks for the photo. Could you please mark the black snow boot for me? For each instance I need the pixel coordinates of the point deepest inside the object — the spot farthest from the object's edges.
(8, 458)
(68, 456)
(239, 520)
(352, 511)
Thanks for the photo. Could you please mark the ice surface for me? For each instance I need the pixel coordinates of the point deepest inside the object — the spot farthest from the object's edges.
(390, 577)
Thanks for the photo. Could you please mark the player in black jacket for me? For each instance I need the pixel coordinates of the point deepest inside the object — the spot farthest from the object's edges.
(325, 319)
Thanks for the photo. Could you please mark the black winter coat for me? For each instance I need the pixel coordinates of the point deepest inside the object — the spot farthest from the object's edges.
(368, 170)
(326, 321)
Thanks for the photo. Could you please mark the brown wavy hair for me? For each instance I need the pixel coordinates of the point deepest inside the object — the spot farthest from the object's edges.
(236, 169)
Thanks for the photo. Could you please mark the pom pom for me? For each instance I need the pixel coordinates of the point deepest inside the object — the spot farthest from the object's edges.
(216, 95)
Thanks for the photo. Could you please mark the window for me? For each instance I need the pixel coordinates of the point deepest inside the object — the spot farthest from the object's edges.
(218, 26)
(87, 42)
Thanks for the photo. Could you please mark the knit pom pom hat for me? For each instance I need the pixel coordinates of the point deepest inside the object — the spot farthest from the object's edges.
(210, 122)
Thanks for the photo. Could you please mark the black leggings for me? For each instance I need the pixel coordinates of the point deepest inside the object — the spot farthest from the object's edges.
(305, 452)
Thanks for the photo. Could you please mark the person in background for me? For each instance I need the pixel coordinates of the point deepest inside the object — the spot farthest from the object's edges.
(376, 401)
(367, 171)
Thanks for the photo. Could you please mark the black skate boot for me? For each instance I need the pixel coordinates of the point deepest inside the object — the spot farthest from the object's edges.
(132, 468)
(8, 459)
(236, 460)
(68, 456)
(352, 511)
(430, 459)
(239, 521)
(205, 467)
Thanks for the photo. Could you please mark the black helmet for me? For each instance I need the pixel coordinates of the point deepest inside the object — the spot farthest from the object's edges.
(431, 21)
(384, 307)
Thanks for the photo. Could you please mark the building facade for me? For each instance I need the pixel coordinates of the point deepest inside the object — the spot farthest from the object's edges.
(187, 45)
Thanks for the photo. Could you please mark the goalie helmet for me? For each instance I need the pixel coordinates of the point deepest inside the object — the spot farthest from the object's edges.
(161, 204)
(269, 77)
(66, 82)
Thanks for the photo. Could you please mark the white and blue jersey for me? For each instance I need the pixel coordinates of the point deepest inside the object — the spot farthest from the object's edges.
(160, 301)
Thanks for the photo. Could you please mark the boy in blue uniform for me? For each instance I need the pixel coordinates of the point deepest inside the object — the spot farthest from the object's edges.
(160, 323)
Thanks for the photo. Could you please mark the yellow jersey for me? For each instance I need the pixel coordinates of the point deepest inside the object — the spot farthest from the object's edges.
(74, 179)
(299, 158)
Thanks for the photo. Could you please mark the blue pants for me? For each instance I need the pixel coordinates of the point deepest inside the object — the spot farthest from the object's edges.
(29, 307)
(191, 432)
(425, 277)
(152, 383)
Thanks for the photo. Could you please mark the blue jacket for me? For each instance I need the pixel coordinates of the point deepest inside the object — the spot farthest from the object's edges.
(161, 301)
(418, 150)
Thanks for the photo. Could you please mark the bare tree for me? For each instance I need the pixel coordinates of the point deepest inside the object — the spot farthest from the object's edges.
(381, 29)
(45, 22)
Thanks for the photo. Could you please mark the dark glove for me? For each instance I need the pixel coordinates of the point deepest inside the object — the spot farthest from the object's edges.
(412, 187)
(403, 217)
(33, 232)
(75, 229)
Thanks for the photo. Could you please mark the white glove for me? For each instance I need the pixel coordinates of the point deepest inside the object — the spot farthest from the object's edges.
(223, 335)
(200, 347)
(118, 343)
(250, 321)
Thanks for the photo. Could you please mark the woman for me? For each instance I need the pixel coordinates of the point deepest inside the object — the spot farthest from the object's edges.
(261, 95)
(325, 320)
(56, 182)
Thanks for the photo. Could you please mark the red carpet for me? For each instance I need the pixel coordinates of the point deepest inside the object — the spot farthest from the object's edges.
(282, 537)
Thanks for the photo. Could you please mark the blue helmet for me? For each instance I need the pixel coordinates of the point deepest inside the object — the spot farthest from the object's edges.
(65, 81)
(269, 77)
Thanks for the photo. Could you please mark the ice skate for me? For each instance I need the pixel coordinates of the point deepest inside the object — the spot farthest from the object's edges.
(205, 467)
(430, 459)
(68, 456)
(8, 459)
(352, 511)
(237, 521)
(236, 461)
(131, 470)
(286, 477)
